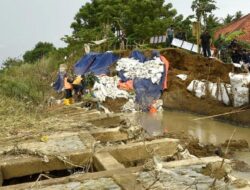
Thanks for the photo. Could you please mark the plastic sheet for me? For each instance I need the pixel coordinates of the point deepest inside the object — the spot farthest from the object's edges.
(240, 88)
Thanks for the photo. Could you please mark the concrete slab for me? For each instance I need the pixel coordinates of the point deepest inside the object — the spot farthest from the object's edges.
(104, 161)
(55, 153)
(127, 178)
(100, 184)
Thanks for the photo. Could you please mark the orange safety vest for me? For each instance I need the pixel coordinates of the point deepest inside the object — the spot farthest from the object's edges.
(67, 85)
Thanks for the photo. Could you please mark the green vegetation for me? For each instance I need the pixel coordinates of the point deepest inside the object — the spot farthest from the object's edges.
(41, 50)
(139, 20)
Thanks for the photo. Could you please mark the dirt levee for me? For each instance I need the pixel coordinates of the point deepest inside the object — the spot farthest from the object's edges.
(197, 67)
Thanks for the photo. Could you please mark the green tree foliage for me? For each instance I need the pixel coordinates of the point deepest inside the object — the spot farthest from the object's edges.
(202, 8)
(229, 18)
(139, 19)
(238, 15)
(41, 49)
(213, 23)
(10, 62)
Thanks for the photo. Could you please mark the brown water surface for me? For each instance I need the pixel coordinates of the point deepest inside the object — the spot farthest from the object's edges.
(206, 130)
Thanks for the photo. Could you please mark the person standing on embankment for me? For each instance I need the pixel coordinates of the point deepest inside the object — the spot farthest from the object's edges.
(206, 43)
(170, 35)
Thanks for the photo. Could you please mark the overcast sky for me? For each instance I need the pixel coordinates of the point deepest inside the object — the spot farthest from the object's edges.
(25, 22)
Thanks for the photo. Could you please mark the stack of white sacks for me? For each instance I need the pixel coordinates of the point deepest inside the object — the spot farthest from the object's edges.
(107, 87)
(221, 91)
(238, 89)
(132, 68)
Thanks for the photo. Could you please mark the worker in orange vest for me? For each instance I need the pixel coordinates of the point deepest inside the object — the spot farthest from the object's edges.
(68, 90)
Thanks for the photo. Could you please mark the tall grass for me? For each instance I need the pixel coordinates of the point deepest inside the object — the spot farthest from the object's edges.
(29, 82)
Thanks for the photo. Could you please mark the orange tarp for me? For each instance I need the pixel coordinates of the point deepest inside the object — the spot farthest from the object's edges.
(166, 63)
(126, 85)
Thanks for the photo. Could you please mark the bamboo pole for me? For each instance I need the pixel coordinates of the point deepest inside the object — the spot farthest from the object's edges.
(217, 115)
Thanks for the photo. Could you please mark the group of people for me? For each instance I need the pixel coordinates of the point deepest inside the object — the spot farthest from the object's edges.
(205, 39)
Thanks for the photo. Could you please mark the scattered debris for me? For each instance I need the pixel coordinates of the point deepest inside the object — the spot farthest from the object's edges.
(182, 76)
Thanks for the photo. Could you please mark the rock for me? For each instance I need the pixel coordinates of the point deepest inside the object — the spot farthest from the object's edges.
(215, 170)
(240, 183)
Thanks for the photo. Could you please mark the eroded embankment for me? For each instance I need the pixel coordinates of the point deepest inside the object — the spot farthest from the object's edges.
(196, 67)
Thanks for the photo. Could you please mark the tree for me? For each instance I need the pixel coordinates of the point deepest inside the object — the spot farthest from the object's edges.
(238, 15)
(41, 49)
(229, 18)
(10, 62)
(139, 19)
(212, 22)
(202, 8)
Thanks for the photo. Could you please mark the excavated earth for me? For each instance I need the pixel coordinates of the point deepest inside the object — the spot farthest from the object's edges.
(197, 67)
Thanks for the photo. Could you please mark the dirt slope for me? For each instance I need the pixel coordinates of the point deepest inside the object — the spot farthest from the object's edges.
(197, 67)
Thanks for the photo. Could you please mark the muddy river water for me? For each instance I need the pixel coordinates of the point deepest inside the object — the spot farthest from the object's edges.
(206, 130)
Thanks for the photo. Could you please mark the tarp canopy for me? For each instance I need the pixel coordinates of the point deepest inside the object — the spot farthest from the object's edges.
(58, 84)
(138, 56)
(97, 63)
(83, 65)
(102, 63)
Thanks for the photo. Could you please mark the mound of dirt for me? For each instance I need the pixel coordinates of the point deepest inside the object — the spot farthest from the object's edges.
(195, 148)
(115, 105)
(236, 144)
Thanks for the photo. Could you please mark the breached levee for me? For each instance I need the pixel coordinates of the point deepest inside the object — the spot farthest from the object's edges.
(196, 67)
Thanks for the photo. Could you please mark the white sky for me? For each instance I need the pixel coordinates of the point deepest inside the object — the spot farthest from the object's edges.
(25, 22)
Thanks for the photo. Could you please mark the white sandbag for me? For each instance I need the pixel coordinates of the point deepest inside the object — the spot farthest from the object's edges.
(198, 87)
(107, 87)
(152, 69)
(240, 89)
(220, 92)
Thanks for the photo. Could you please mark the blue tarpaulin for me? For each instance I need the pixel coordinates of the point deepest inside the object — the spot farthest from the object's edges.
(102, 63)
(146, 92)
(97, 63)
(138, 56)
(58, 84)
(83, 65)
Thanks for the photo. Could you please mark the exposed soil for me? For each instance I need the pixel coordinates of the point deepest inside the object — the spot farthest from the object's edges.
(240, 166)
(197, 67)
(236, 144)
(115, 105)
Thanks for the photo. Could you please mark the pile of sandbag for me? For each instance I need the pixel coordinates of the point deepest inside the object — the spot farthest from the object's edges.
(107, 87)
(132, 68)
(240, 90)
(203, 88)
